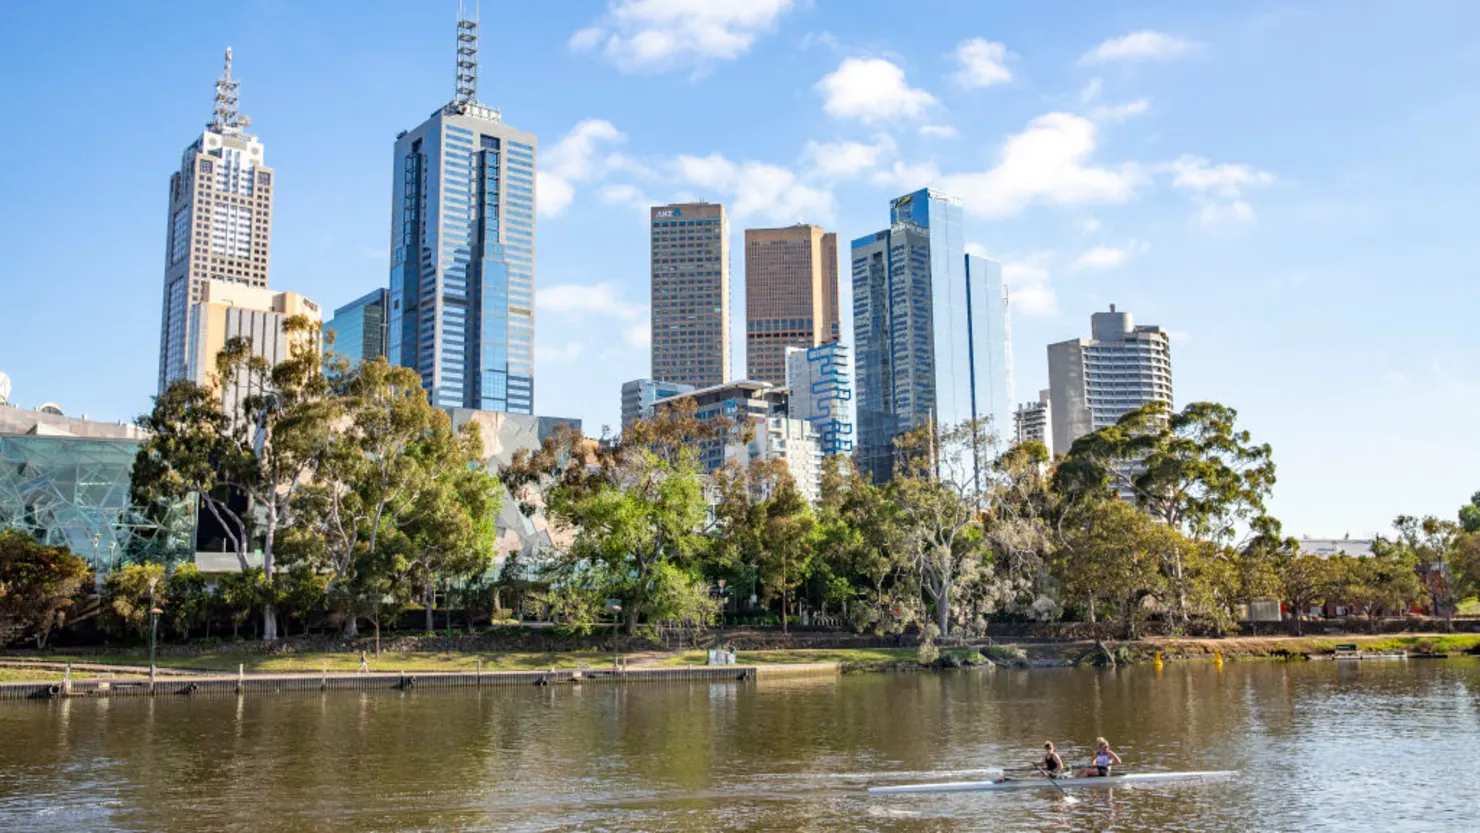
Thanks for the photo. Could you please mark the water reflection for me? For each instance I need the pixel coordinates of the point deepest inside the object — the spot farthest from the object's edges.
(1323, 746)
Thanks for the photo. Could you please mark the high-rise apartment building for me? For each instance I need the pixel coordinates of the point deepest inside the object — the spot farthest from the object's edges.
(691, 294)
(1093, 382)
(930, 328)
(791, 296)
(219, 225)
(639, 396)
(359, 327)
(462, 251)
(819, 382)
(1034, 421)
(228, 310)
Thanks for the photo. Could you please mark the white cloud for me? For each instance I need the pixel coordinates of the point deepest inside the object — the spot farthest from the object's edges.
(758, 189)
(904, 176)
(1194, 173)
(1048, 162)
(1089, 225)
(1109, 257)
(982, 63)
(1091, 90)
(1226, 213)
(937, 131)
(628, 195)
(575, 300)
(1028, 290)
(824, 39)
(639, 334)
(1121, 112)
(871, 90)
(567, 354)
(658, 35)
(977, 250)
(838, 160)
(575, 157)
(1179, 335)
(1139, 46)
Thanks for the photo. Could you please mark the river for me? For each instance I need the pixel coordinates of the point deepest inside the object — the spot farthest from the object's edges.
(1322, 746)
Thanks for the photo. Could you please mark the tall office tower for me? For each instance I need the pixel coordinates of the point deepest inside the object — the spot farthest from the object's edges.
(220, 222)
(930, 326)
(791, 296)
(359, 327)
(227, 310)
(1093, 382)
(462, 251)
(639, 396)
(819, 382)
(691, 294)
(1034, 422)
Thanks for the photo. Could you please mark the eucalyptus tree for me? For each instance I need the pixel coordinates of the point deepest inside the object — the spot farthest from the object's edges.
(765, 522)
(38, 582)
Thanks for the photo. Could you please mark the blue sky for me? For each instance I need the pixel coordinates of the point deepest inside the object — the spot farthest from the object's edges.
(1287, 189)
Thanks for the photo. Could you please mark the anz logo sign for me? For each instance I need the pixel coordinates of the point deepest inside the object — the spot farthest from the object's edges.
(664, 214)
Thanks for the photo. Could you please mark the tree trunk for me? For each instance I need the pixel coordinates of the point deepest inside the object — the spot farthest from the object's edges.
(430, 596)
(351, 628)
(377, 636)
(943, 611)
(269, 611)
(269, 622)
(1091, 603)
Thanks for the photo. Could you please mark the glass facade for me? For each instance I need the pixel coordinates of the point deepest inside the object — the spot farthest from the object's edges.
(819, 383)
(930, 329)
(359, 327)
(74, 491)
(462, 260)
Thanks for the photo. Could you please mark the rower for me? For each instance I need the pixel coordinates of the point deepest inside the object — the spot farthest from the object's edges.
(1105, 758)
(1052, 765)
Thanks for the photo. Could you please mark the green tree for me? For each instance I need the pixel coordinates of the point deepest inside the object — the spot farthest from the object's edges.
(765, 522)
(1465, 563)
(190, 599)
(301, 592)
(256, 431)
(238, 594)
(1427, 542)
(1469, 514)
(38, 583)
(1376, 585)
(938, 485)
(132, 590)
(1305, 581)
(1113, 553)
(858, 541)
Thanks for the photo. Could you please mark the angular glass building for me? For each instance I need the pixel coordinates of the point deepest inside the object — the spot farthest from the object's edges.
(930, 327)
(359, 327)
(819, 382)
(462, 251)
(66, 489)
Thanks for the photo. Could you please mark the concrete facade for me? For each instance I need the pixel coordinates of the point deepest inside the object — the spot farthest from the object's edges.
(639, 396)
(791, 296)
(231, 310)
(690, 272)
(1033, 421)
(1094, 382)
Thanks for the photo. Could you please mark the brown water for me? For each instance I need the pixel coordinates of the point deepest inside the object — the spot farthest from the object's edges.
(1322, 746)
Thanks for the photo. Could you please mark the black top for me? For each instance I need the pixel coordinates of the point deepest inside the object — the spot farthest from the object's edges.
(1051, 762)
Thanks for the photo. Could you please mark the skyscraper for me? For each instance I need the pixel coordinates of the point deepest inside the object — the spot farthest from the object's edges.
(229, 309)
(220, 222)
(359, 327)
(930, 326)
(1095, 381)
(791, 296)
(639, 396)
(691, 294)
(1034, 422)
(462, 250)
(819, 382)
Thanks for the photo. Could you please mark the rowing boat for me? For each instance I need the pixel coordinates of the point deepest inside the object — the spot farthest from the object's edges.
(1012, 783)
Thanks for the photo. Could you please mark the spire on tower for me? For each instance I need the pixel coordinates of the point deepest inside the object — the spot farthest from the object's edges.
(226, 117)
(466, 90)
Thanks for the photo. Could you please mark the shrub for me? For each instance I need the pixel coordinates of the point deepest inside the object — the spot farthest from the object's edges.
(1006, 654)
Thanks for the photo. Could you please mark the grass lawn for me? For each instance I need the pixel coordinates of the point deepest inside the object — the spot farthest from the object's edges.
(39, 675)
(854, 656)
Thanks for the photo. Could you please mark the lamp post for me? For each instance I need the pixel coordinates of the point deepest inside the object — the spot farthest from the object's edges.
(154, 612)
(615, 607)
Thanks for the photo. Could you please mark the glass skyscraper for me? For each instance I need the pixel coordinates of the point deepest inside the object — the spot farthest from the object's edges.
(930, 326)
(359, 327)
(462, 251)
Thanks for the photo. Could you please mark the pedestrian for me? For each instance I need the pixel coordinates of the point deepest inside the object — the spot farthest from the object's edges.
(364, 664)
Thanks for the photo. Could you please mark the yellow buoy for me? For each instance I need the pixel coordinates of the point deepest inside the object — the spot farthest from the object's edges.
(1158, 661)
(1218, 659)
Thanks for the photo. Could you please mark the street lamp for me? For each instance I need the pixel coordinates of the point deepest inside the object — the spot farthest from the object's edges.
(154, 613)
(614, 606)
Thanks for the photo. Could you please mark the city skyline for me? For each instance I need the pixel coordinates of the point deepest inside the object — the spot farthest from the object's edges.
(1198, 179)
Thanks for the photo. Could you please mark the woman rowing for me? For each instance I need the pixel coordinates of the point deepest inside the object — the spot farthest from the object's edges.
(1052, 765)
(1105, 758)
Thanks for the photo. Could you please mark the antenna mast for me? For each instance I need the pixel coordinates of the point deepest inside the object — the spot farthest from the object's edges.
(226, 118)
(466, 90)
